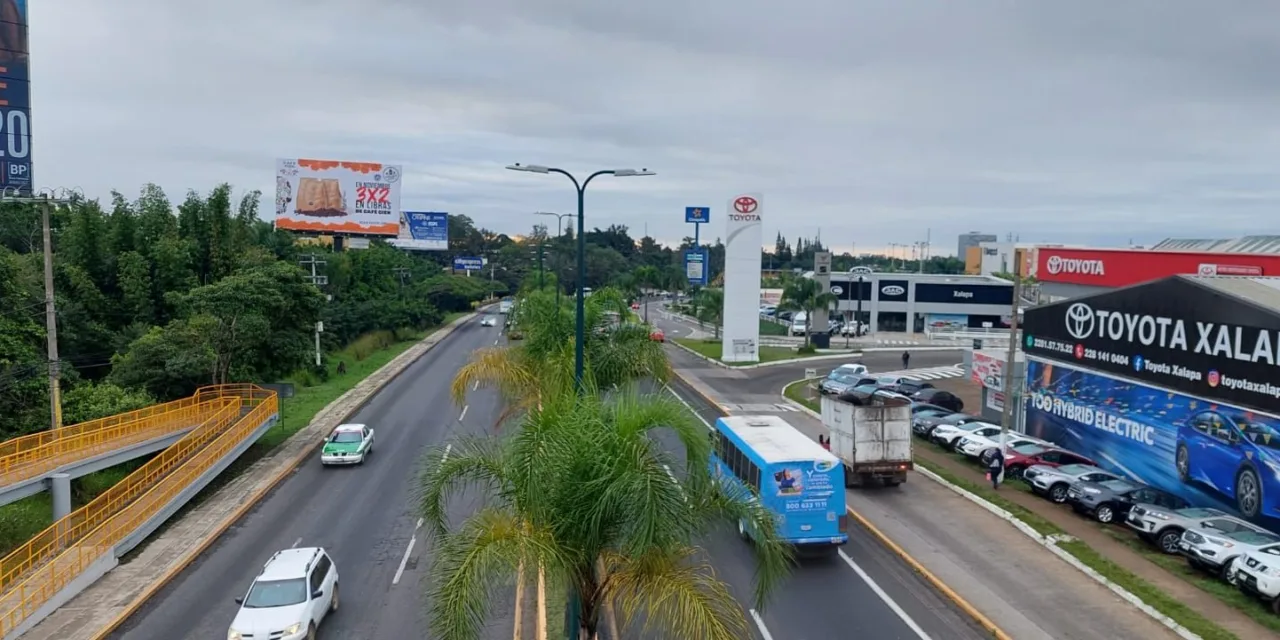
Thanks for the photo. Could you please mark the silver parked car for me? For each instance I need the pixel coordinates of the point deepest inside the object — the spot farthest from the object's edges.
(1215, 545)
(1163, 527)
(1054, 482)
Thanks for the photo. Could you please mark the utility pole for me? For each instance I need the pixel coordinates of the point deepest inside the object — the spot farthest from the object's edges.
(402, 273)
(46, 199)
(1007, 385)
(319, 281)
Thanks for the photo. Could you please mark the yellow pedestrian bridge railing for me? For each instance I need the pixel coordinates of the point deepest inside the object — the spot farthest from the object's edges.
(35, 572)
(39, 453)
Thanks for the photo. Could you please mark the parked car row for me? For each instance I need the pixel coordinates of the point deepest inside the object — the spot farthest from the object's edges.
(1237, 551)
(847, 378)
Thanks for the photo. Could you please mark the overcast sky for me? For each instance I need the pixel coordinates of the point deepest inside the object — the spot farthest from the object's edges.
(1079, 122)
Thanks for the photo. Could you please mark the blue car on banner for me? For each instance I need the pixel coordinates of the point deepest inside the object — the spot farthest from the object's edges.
(1210, 454)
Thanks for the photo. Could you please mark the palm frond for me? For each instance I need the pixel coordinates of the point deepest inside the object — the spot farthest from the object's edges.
(469, 462)
(676, 591)
(503, 368)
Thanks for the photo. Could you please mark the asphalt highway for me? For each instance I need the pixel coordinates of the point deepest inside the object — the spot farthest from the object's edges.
(865, 592)
(364, 516)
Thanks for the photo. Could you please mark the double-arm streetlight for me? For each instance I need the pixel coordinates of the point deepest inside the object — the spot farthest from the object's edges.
(580, 322)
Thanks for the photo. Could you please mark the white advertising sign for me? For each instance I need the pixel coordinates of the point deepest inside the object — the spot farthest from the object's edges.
(744, 236)
(988, 370)
(331, 196)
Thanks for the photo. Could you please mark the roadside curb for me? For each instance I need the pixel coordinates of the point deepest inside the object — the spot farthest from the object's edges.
(772, 363)
(1048, 542)
(286, 467)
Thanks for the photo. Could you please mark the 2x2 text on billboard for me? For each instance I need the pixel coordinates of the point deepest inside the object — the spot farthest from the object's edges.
(1246, 344)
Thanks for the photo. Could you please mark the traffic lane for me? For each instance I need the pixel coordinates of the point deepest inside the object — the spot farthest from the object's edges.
(866, 589)
(363, 516)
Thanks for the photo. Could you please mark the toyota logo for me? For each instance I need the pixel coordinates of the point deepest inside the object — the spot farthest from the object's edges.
(1080, 321)
(745, 204)
(1054, 265)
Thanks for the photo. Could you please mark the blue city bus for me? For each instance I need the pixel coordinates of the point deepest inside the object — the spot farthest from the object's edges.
(793, 477)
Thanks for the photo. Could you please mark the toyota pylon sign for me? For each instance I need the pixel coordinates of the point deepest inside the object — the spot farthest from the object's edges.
(744, 235)
(1123, 267)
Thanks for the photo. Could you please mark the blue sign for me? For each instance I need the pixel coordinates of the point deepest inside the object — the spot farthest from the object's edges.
(697, 262)
(424, 230)
(1197, 449)
(463, 263)
(15, 98)
(697, 214)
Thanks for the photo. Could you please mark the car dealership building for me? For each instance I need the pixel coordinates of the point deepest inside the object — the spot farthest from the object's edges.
(913, 302)
(1174, 382)
(1069, 272)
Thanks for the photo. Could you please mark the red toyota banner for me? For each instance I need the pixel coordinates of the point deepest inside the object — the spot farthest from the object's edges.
(1123, 267)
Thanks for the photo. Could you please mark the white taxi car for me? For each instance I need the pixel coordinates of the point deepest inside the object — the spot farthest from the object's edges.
(294, 593)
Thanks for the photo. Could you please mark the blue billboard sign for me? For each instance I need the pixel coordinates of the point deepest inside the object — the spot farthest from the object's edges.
(1209, 453)
(467, 263)
(423, 231)
(697, 262)
(15, 98)
(699, 215)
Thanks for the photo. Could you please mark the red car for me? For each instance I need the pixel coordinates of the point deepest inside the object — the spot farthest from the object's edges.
(1019, 458)
(657, 335)
(635, 306)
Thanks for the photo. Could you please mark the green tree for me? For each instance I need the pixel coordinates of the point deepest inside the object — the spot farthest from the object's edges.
(709, 307)
(806, 295)
(90, 401)
(648, 277)
(581, 493)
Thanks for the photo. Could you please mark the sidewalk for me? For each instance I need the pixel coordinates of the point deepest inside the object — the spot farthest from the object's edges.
(1109, 542)
(1007, 576)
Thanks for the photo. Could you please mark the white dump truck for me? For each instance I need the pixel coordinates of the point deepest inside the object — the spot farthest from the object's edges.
(871, 433)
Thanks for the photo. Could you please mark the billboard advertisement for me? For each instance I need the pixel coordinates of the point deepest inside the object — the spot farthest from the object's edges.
(468, 263)
(744, 235)
(696, 263)
(1210, 453)
(700, 215)
(330, 196)
(423, 231)
(1177, 333)
(945, 321)
(15, 98)
(988, 370)
(1123, 267)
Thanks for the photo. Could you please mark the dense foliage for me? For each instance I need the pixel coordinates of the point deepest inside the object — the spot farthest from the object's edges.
(155, 300)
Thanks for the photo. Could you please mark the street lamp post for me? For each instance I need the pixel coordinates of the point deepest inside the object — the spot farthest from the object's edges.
(580, 330)
(559, 221)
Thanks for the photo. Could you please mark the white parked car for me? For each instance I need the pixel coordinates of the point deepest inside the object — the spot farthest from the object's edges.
(290, 598)
(348, 444)
(798, 327)
(948, 435)
(1258, 574)
(982, 443)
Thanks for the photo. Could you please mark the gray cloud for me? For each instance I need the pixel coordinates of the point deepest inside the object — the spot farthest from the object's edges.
(1089, 122)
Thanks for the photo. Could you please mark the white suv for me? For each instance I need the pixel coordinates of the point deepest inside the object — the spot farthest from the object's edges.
(287, 601)
(1258, 574)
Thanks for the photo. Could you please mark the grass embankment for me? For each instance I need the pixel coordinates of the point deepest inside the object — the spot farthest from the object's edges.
(711, 349)
(771, 328)
(25, 518)
(1183, 614)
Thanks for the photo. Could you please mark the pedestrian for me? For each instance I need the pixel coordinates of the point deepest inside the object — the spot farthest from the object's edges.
(906, 359)
(995, 468)
(342, 367)
(824, 441)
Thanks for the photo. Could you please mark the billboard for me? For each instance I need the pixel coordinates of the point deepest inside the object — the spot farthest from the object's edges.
(468, 263)
(744, 235)
(1121, 268)
(965, 293)
(988, 370)
(699, 215)
(330, 196)
(945, 321)
(1175, 333)
(696, 265)
(15, 98)
(1210, 453)
(423, 231)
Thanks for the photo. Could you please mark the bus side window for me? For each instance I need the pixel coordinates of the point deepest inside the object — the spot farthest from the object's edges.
(753, 476)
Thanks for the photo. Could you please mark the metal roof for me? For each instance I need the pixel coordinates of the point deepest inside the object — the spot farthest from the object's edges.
(775, 440)
(1244, 244)
(1262, 291)
(926, 278)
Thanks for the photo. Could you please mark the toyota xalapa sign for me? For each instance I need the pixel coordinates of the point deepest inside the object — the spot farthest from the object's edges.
(1176, 333)
(1123, 267)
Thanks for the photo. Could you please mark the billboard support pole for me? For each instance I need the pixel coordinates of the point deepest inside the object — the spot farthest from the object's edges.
(1007, 415)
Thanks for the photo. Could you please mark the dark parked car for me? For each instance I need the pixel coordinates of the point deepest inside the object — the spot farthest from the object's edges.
(836, 385)
(869, 394)
(1111, 500)
(922, 407)
(939, 397)
(923, 426)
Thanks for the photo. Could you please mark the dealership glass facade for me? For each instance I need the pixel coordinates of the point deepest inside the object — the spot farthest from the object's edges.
(1173, 383)
(918, 302)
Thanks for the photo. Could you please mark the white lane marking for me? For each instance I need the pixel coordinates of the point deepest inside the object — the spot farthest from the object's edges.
(405, 560)
(296, 543)
(447, 449)
(677, 482)
(764, 631)
(475, 386)
(884, 596)
(419, 525)
(690, 408)
(464, 413)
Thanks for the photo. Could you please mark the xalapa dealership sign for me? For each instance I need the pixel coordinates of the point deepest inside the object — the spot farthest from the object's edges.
(1171, 333)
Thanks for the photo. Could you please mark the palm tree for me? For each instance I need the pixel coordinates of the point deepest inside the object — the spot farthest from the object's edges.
(647, 277)
(807, 295)
(583, 491)
(541, 365)
(709, 306)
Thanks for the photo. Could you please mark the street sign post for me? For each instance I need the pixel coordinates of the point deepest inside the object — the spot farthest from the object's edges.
(696, 261)
(468, 264)
(697, 216)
